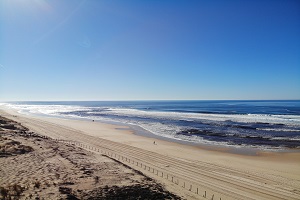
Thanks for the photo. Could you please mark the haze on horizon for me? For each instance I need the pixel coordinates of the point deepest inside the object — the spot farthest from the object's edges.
(149, 50)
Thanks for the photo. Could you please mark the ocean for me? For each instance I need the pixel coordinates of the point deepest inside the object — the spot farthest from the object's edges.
(255, 124)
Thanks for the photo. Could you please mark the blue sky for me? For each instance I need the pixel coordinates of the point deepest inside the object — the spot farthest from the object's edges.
(147, 50)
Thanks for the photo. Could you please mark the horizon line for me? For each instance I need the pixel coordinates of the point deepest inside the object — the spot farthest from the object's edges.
(151, 100)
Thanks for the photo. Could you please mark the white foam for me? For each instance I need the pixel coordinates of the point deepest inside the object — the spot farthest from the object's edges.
(250, 118)
(45, 109)
(286, 138)
(278, 129)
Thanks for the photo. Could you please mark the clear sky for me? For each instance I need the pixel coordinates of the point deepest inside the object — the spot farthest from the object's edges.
(147, 50)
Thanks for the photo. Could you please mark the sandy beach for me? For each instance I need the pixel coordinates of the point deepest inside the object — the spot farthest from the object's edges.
(188, 172)
(34, 166)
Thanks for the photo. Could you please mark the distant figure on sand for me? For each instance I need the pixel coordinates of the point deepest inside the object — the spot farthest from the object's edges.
(154, 142)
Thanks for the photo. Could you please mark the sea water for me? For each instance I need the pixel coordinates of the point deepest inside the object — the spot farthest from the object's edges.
(258, 124)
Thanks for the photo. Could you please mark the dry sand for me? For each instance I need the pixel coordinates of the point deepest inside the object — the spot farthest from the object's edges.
(33, 166)
(195, 171)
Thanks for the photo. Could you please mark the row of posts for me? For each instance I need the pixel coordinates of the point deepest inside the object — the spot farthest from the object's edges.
(156, 172)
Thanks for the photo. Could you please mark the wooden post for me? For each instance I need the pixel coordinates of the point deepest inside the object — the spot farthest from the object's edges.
(197, 190)
(184, 184)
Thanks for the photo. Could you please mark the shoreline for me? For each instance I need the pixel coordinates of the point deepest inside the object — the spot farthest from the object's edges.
(139, 131)
(218, 171)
